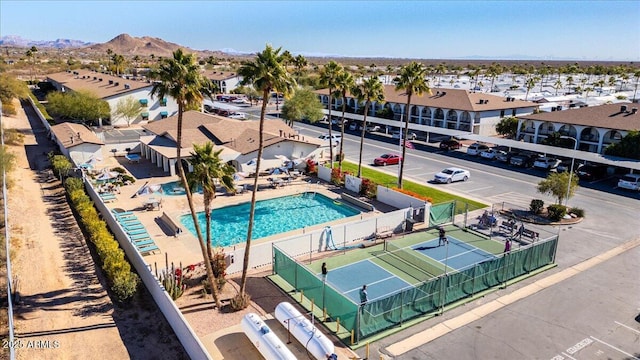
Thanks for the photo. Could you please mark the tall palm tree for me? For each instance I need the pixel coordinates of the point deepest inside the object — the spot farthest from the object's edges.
(209, 169)
(329, 78)
(344, 84)
(412, 80)
(180, 78)
(368, 90)
(266, 73)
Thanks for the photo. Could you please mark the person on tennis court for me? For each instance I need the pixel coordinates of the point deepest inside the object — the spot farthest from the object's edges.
(507, 246)
(364, 296)
(443, 237)
(324, 271)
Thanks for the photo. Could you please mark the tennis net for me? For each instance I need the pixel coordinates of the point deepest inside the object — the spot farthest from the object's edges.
(420, 262)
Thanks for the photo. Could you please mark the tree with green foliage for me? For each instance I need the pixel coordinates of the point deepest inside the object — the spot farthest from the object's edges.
(209, 169)
(508, 126)
(344, 84)
(367, 91)
(556, 185)
(7, 162)
(329, 78)
(628, 147)
(128, 109)
(118, 63)
(300, 63)
(266, 73)
(78, 105)
(303, 105)
(10, 89)
(412, 80)
(179, 77)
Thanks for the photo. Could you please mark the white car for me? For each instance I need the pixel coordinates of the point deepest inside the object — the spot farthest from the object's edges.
(630, 182)
(238, 115)
(336, 138)
(452, 174)
(475, 149)
(546, 163)
(491, 154)
(410, 135)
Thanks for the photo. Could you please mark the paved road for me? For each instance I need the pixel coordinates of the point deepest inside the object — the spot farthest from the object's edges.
(594, 310)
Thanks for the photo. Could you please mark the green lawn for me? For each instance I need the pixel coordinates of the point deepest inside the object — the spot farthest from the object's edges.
(438, 196)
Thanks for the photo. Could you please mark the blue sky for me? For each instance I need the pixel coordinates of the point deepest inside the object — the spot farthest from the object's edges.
(581, 30)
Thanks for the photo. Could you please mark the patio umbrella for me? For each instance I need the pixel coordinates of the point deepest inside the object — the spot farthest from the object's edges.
(149, 189)
(107, 175)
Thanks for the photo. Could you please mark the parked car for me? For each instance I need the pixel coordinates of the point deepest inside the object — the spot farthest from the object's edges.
(491, 154)
(590, 172)
(546, 163)
(452, 174)
(336, 121)
(475, 149)
(506, 156)
(410, 136)
(387, 159)
(354, 126)
(238, 115)
(523, 160)
(566, 164)
(630, 182)
(336, 138)
(372, 128)
(450, 144)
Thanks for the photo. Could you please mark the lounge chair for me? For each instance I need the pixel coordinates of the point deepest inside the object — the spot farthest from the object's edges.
(125, 217)
(139, 236)
(129, 221)
(137, 226)
(115, 213)
(136, 231)
(148, 249)
(144, 243)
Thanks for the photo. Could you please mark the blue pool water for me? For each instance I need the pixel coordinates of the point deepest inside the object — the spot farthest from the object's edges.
(273, 216)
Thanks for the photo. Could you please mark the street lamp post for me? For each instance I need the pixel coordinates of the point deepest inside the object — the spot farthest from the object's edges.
(573, 159)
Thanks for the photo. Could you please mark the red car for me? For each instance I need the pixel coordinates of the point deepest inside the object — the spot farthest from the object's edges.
(387, 159)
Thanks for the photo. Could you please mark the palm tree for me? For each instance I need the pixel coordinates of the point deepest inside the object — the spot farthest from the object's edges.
(118, 62)
(412, 81)
(368, 90)
(329, 78)
(180, 78)
(209, 169)
(557, 85)
(344, 84)
(109, 53)
(266, 73)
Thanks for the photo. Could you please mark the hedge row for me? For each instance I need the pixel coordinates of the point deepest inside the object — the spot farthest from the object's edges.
(123, 282)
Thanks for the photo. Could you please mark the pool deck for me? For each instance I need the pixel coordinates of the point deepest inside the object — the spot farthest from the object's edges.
(184, 248)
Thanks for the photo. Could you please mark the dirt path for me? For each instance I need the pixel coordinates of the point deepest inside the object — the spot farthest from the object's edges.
(64, 311)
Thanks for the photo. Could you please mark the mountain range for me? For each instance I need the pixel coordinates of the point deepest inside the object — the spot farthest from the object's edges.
(123, 44)
(17, 41)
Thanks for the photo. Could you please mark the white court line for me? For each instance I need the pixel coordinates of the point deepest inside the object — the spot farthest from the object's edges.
(569, 356)
(373, 283)
(628, 327)
(615, 348)
(482, 188)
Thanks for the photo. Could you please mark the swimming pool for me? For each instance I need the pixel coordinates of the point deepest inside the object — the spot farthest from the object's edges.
(273, 216)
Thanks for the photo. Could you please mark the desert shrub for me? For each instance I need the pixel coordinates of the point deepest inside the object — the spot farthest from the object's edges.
(73, 184)
(577, 212)
(13, 137)
(556, 211)
(337, 177)
(240, 301)
(125, 285)
(368, 188)
(311, 167)
(536, 206)
(413, 194)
